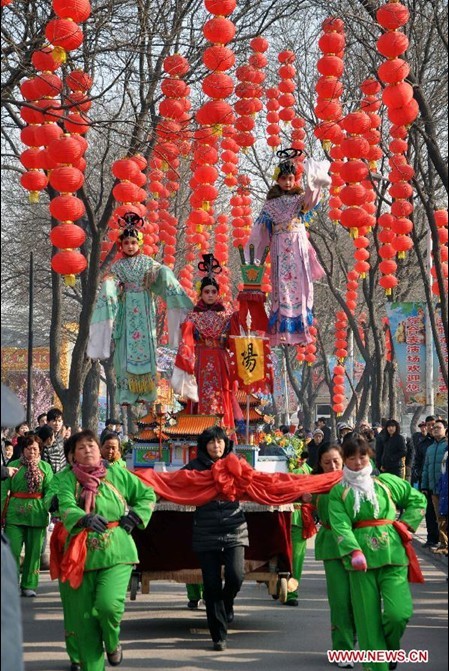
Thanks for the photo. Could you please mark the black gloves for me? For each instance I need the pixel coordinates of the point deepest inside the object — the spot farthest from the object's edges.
(130, 521)
(54, 504)
(95, 522)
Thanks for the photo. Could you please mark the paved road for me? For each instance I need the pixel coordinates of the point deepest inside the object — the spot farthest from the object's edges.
(159, 633)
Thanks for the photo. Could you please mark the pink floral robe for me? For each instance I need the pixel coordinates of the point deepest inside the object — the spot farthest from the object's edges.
(294, 268)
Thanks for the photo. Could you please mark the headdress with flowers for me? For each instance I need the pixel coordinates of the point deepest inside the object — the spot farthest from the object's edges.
(130, 224)
(286, 165)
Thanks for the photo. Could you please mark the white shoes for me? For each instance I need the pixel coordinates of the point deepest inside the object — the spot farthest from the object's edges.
(28, 592)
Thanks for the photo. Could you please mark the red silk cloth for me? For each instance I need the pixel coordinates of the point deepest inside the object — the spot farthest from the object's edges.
(26, 495)
(68, 565)
(414, 569)
(308, 523)
(233, 479)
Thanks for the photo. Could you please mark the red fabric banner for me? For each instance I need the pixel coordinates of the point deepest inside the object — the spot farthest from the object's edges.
(233, 479)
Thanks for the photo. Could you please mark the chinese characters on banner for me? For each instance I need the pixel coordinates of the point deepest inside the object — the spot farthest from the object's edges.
(251, 363)
(407, 326)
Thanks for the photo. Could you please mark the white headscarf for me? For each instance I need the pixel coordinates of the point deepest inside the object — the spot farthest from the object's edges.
(362, 485)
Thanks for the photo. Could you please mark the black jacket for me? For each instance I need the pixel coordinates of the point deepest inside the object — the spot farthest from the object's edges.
(391, 452)
(217, 524)
(419, 458)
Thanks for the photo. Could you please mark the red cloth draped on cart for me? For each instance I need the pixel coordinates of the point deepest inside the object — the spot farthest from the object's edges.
(414, 569)
(233, 479)
(308, 523)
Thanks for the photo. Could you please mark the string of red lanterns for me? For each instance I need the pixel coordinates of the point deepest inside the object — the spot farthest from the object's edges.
(441, 220)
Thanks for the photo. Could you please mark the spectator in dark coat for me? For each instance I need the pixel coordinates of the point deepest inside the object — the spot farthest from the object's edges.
(391, 450)
(321, 424)
(313, 446)
(417, 469)
(220, 535)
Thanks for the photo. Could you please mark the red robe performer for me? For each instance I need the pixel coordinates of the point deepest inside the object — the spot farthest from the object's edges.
(202, 370)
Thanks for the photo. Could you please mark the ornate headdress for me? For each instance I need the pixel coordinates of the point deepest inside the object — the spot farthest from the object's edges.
(211, 266)
(286, 165)
(130, 224)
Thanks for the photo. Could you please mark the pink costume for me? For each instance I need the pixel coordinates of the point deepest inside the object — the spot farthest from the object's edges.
(294, 265)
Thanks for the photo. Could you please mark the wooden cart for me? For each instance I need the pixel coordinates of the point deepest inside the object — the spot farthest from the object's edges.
(165, 548)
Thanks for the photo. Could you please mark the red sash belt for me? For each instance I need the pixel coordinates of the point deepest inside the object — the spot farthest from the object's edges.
(414, 570)
(308, 523)
(26, 495)
(71, 566)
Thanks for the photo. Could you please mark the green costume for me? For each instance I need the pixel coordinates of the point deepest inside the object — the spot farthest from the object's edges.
(71, 642)
(337, 580)
(98, 604)
(385, 581)
(299, 544)
(129, 305)
(26, 521)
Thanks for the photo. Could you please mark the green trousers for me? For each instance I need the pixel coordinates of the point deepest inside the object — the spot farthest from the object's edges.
(97, 608)
(339, 597)
(32, 538)
(194, 591)
(71, 643)
(299, 546)
(377, 629)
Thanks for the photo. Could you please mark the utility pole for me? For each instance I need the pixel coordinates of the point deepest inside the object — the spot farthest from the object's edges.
(430, 399)
(30, 342)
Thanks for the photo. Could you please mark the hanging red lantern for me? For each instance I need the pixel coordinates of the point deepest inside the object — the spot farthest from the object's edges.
(392, 44)
(67, 208)
(64, 33)
(68, 262)
(66, 179)
(392, 16)
(34, 181)
(67, 236)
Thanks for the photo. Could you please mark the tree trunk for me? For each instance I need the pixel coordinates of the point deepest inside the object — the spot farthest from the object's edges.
(90, 398)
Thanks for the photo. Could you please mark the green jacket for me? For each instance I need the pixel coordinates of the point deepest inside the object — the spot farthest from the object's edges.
(325, 542)
(381, 545)
(26, 512)
(118, 490)
(305, 469)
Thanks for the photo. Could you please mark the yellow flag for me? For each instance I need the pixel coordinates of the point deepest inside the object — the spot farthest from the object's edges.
(250, 359)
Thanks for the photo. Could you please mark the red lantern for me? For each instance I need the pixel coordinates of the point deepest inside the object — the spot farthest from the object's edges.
(393, 71)
(68, 262)
(330, 66)
(392, 16)
(66, 179)
(393, 44)
(219, 30)
(404, 115)
(44, 60)
(64, 33)
(388, 282)
(65, 150)
(67, 236)
(67, 208)
(77, 10)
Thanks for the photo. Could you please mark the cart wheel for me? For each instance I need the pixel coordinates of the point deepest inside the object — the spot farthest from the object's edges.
(133, 586)
(283, 590)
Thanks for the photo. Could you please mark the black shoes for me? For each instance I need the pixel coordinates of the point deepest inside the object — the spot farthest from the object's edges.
(74, 666)
(230, 616)
(392, 666)
(115, 658)
(193, 605)
(292, 602)
(219, 646)
(429, 544)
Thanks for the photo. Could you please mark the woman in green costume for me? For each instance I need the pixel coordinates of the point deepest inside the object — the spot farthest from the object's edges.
(126, 312)
(330, 459)
(99, 507)
(299, 537)
(23, 509)
(376, 549)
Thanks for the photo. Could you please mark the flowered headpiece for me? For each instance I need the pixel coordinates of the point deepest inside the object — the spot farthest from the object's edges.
(130, 224)
(286, 165)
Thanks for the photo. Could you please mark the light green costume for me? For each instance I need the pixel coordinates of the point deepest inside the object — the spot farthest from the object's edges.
(98, 604)
(337, 580)
(129, 305)
(385, 582)
(299, 544)
(71, 642)
(26, 521)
